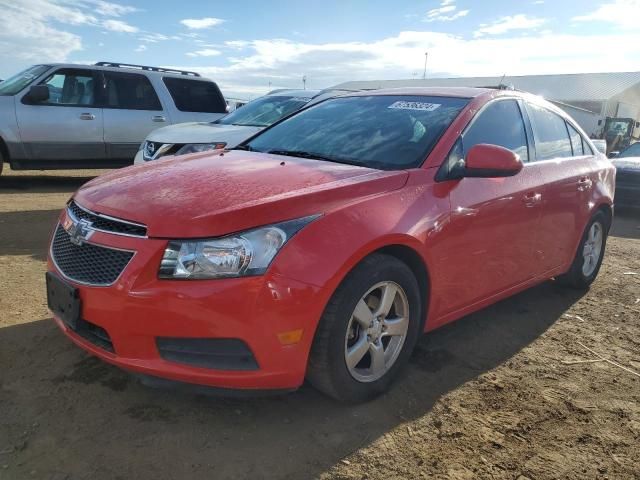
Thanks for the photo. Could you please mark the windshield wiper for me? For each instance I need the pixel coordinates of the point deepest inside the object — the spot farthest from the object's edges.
(303, 154)
(246, 148)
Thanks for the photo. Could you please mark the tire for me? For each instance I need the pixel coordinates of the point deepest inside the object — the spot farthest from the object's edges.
(1, 160)
(581, 276)
(341, 330)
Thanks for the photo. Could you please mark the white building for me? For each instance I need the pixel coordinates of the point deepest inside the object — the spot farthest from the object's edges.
(588, 97)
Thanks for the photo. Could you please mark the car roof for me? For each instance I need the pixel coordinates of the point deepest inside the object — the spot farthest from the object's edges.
(293, 93)
(461, 92)
(125, 69)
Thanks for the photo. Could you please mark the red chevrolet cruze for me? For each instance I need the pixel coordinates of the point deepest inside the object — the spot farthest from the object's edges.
(324, 246)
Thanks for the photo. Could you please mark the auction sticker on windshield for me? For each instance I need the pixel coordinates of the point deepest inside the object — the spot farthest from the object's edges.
(429, 107)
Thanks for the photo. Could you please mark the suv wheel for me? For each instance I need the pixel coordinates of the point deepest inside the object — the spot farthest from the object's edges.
(588, 259)
(367, 332)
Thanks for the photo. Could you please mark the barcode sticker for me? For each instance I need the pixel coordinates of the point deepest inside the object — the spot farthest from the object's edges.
(401, 105)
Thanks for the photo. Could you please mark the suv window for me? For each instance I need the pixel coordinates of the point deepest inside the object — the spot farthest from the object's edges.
(500, 123)
(195, 95)
(70, 87)
(550, 132)
(130, 91)
(576, 141)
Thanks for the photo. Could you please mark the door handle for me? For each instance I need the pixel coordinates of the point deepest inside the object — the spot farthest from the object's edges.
(87, 116)
(584, 183)
(532, 199)
(158, 118)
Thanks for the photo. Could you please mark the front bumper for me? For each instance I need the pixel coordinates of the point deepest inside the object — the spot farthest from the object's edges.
(139, 309)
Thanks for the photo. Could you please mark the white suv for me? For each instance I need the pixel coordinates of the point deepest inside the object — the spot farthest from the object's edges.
(229, 131)
(95, 116)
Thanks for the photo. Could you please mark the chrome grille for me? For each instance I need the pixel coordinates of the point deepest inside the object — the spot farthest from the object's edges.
(106, 223)
(87, 263)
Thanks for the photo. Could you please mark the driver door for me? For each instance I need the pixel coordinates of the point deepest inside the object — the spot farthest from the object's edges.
(67, 128)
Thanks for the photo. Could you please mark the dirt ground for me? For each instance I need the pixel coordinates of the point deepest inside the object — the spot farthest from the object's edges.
(506, 393)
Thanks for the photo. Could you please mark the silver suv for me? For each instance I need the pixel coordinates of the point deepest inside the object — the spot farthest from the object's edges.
(95, 116)
(229, 131)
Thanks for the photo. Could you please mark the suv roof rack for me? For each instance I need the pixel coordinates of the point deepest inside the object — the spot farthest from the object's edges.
(146, 67)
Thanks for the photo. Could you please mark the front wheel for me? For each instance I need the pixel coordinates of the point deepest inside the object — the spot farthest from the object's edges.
(588, 259)
(367, 332)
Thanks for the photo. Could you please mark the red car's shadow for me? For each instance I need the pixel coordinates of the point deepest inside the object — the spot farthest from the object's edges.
(100, 419)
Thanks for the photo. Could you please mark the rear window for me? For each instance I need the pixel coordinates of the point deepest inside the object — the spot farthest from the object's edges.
(195, 95)
(550, 132)
(130, 91)
(387, 132)
(576, 141)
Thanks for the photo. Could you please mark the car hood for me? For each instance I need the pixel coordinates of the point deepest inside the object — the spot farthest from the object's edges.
(203, 132)
(627, 163)
(201, 196)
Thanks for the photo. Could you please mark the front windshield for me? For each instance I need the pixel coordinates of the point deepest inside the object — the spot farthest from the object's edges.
(386, 132)
(264, 111)
(14, 84)
(632, 151)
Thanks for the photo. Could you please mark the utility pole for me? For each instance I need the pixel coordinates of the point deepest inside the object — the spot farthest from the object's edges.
(304, 82)
(424, 74)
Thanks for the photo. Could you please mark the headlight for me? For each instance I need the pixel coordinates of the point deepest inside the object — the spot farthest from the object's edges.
(242, 254)
(199, 147)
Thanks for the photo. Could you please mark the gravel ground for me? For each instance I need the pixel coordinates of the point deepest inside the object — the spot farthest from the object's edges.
(511, 392)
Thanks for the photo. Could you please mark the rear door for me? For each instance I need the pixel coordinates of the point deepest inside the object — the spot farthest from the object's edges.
(67, 129)
(493, 221)
(132, 110)
(195, 100)
(567, 163)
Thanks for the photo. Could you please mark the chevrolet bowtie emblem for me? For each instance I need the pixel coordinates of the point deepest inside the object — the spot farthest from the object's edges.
(79, 231)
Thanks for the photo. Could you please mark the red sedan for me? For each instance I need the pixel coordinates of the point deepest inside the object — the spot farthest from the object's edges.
(324, 246)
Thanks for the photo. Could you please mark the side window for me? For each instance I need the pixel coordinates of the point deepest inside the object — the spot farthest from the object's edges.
(70, 87)
(499, 124)
(550, 132)
(130, 91)
(195, 95)
(576, 141)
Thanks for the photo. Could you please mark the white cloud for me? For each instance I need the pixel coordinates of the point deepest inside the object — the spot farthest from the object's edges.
(446, 12)
(206, 52)
(109, 9)
(119, 26)
(623, 13)
(141, 48)
(284, 62)
(157, 37)
(237, 44)
(509, 23)
(201, 23)
(27, 37)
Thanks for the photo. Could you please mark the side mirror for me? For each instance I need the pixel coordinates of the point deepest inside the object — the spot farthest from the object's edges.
(38, 93)
(491, 161)
(613, 154)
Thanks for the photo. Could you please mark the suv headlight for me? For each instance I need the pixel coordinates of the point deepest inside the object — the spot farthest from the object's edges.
(199, 147)
(237, 255)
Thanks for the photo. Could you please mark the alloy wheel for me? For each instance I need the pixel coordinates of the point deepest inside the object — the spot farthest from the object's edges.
(376, 332)
(592, 249)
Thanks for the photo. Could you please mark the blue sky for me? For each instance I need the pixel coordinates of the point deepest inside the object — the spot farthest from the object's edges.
(249, 47)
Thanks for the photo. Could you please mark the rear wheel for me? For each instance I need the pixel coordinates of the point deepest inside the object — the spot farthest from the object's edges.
(1, 161)
(367, 332)
(588, 259)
